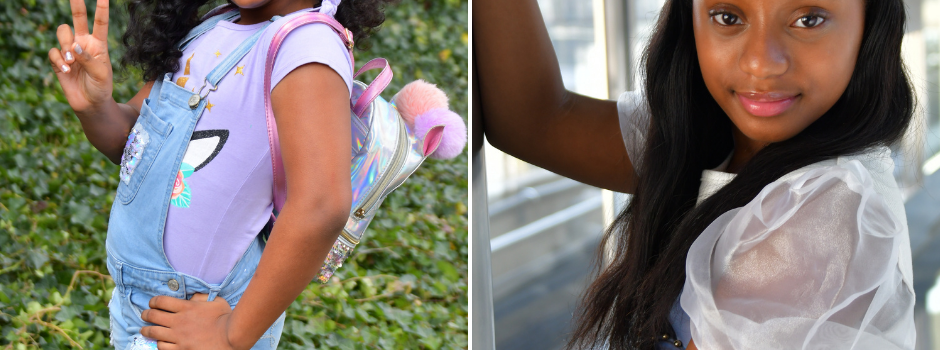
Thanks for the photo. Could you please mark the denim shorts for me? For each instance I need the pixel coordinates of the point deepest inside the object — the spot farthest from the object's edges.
(135, 286)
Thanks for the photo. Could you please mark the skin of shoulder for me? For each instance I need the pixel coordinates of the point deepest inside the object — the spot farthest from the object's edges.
(526, 110)
(314, 128)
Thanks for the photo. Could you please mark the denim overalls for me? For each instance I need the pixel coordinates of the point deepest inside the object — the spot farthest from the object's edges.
(151, 160)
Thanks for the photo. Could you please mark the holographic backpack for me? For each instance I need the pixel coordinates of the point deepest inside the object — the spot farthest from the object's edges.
(389, 139)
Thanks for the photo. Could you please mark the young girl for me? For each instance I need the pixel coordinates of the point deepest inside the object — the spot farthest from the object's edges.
(764, 211)
(195, 188)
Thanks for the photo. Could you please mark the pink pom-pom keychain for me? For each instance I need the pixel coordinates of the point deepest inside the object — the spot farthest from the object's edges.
(424, 108)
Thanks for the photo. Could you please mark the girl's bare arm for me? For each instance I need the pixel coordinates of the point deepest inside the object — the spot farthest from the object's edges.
(107, 129)
(528, 113)
(314, 129)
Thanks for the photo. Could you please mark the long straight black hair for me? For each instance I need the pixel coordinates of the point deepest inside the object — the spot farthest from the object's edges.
(629, 303)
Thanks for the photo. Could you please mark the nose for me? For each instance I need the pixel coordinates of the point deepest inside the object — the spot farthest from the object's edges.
(764, 55)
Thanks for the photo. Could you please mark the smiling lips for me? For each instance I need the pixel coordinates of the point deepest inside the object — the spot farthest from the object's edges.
(766, 104)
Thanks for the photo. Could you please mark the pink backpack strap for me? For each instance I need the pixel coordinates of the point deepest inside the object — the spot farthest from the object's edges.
(277, 164)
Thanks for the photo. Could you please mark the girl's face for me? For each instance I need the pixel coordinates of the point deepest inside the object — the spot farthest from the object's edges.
(256, 11)
(776, 66)
(253, 4)
(250, 4)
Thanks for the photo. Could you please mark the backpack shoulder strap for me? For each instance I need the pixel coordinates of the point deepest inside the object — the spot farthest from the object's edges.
(280, 183)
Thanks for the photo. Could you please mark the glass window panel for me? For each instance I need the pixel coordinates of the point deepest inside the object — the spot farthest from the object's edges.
(545, 228)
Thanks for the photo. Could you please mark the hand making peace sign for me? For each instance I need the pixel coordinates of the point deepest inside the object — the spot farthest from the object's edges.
(82, 65)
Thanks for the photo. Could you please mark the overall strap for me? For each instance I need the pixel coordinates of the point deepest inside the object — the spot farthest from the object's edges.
(232, 59)
(280, 183)
(220, 70)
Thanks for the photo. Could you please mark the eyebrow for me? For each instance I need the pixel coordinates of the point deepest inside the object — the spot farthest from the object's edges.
(823, 4)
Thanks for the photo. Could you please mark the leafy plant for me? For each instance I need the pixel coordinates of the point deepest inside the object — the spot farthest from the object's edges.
(404, 287)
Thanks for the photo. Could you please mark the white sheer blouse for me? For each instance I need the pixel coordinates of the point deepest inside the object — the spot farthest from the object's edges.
(820, 259)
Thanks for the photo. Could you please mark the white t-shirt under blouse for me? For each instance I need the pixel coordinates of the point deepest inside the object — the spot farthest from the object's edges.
(820, 259)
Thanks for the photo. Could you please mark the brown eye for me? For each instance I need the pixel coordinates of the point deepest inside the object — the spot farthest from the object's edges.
(809, 21)
(725, 18)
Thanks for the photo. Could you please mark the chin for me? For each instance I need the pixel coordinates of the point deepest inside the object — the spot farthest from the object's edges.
(250, 4)
(767, 137)
(766, 130)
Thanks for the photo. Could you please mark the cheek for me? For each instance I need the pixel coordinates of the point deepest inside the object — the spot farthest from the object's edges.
(828, 71)
(717, 60)
(718, 63)
(719, 75)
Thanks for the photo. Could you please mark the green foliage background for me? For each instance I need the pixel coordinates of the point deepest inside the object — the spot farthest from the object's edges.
(405, 286)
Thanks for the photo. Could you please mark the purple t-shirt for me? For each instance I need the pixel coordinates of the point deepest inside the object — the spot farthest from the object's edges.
(222, 197)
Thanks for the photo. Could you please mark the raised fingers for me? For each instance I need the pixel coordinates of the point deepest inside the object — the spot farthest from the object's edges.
(79, 17)
(58, 63)
(101, 21)
(64, 33)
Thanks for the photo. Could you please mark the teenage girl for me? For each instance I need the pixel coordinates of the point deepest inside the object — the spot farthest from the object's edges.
(195, 188)
(764, 212)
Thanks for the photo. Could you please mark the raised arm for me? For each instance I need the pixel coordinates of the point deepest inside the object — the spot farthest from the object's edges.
(83, 68)
(528, 113)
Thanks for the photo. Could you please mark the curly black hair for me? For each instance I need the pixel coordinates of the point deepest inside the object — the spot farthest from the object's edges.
(155, 26)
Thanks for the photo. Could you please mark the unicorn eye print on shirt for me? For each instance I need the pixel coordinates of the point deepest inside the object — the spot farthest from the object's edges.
(203, 147)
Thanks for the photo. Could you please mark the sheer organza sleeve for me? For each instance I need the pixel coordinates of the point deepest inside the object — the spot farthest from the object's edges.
(634, 123)
(810, 263)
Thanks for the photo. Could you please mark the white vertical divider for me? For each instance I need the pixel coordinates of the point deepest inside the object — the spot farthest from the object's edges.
(600, 41)
(482, 331)
(615, 26)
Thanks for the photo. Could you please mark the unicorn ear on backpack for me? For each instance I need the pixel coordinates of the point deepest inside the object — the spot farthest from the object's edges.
(425, 109)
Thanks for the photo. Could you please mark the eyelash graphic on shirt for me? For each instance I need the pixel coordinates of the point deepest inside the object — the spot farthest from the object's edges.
(204, 145)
